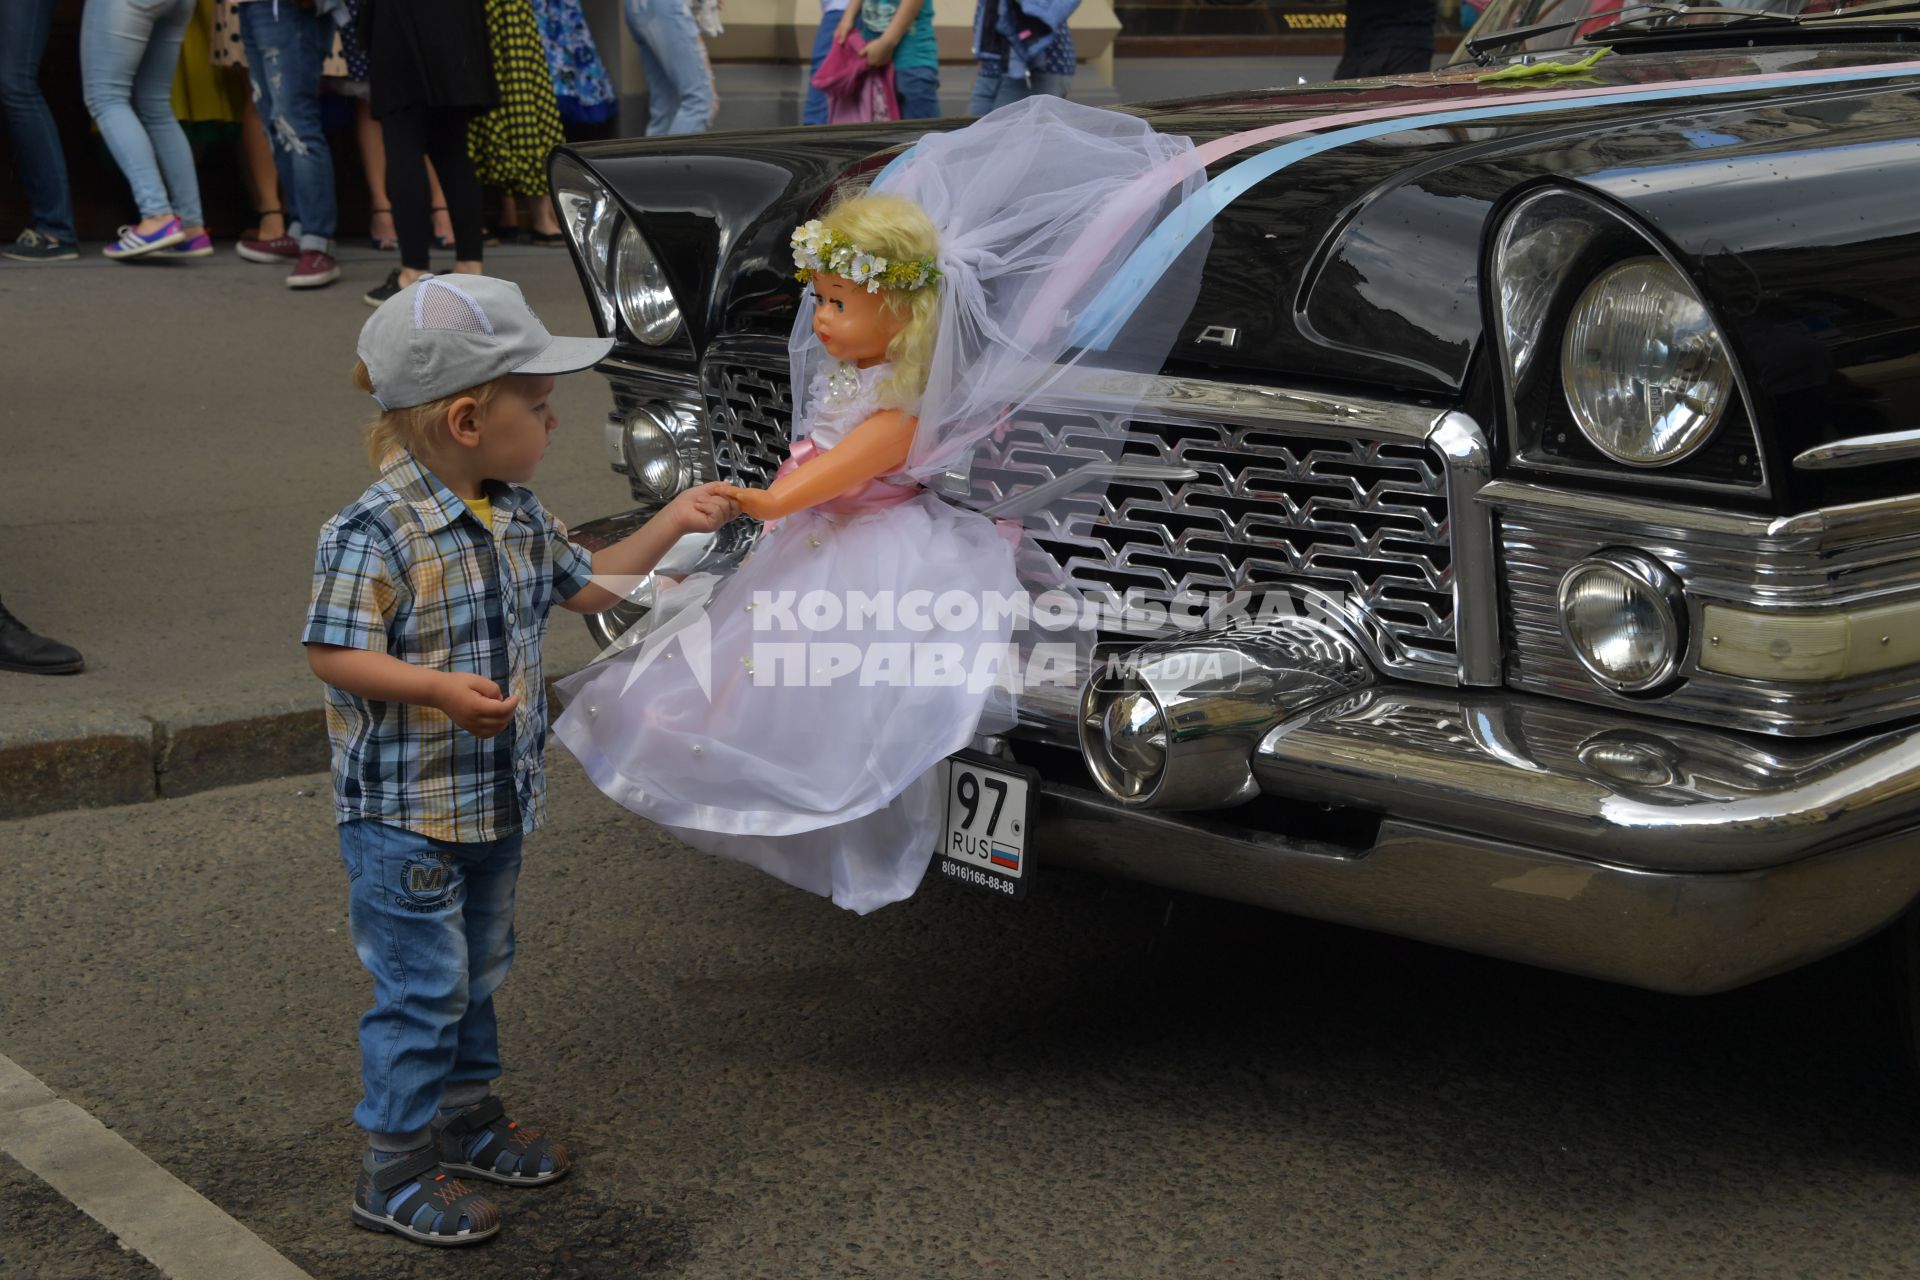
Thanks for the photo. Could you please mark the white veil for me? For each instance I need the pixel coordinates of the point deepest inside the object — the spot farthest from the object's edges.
(1037, 205)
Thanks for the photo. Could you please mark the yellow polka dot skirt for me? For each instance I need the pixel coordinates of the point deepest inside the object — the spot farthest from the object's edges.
(510, 144)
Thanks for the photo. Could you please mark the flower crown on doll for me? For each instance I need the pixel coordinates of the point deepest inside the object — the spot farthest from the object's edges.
(817, 247)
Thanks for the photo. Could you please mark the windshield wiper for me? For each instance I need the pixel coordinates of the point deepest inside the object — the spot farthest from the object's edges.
(1847, 11)
(1741, 18)
(1623, 25)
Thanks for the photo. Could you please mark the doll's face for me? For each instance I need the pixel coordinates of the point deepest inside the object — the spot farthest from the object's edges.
(851, 323)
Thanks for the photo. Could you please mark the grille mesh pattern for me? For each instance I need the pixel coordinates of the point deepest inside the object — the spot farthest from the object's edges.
(1364, 519)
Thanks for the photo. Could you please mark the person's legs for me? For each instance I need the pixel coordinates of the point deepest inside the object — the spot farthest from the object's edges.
(261, 178)
(1050, 82)
(490, 876)
(373, 162)
(405, 134)
(986, 92)
(37, 154)
(406, 904)
(285, 48)
(153, 103)
(673, 56)
(919, 90)
(447, 147)
(257, 34)
(815, 111)
(114, 35)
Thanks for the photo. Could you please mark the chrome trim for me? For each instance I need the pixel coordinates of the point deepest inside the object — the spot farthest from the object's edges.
(1513, 765)
(1476, 588)
(1177, 727)
(1656, 578)
(1507, 379)
(1861, 451)
(1673, 932)
(1836, 558)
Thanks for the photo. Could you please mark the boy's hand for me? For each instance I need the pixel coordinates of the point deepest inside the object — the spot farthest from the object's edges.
(474, 703)
(752, 502)
(879, 52)
(703, 509)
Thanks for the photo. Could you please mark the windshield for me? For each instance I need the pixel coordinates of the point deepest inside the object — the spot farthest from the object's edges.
(1586, 17)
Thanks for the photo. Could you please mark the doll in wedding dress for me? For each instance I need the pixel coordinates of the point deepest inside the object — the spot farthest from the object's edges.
(936, 305)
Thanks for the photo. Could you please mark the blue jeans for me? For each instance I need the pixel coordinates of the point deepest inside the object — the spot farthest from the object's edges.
(991, 92)
(919, 90)
(433, 923)
(816, 108)
(680, 93)
(128, 50)
(285, 47)
(36, 140)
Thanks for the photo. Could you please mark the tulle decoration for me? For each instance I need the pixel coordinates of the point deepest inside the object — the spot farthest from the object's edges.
(1036, 205)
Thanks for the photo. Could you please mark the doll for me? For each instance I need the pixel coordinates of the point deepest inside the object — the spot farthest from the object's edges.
(865, 637)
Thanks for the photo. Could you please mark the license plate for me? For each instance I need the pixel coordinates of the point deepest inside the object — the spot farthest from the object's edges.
(989, 817)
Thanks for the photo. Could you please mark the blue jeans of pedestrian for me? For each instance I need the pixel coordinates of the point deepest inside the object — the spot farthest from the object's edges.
(285, 47)
(816, 108)
(128, 50)
(991, 91)
(433, 923)
(24, 25)
(680, 93)
(919, 91)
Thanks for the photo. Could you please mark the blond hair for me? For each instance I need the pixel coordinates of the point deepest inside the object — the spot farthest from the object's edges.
(899, 230)
(418, 427)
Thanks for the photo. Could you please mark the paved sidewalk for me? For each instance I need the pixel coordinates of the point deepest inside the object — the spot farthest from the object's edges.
(172, 436)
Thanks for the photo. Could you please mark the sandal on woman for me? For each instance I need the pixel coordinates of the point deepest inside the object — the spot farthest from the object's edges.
(259, 218)
(386, 244)
(482, 1143)
(446, 241)
(550, 239)
(435, 1208)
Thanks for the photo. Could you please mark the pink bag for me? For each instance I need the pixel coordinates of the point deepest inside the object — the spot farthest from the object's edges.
(856, 93)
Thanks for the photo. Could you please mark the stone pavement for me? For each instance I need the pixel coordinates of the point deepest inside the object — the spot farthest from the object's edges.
(172, 436)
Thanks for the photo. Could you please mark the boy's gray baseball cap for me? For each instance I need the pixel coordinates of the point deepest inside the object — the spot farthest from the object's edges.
(442, 335)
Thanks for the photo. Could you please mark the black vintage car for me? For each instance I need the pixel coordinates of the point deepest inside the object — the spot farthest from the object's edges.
(1585, 399)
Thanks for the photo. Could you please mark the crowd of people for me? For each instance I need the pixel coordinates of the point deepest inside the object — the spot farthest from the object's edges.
(447, 96)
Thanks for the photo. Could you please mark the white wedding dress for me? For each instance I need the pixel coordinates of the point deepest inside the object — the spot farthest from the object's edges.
(830, 786)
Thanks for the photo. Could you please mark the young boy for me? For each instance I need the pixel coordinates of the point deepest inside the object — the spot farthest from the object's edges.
(430, 601)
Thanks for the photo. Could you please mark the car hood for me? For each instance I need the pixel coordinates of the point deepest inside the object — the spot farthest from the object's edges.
(1361, 263)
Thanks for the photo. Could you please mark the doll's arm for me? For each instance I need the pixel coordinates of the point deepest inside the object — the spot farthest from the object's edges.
(877, 447)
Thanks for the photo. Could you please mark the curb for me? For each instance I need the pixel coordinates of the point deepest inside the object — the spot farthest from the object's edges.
(141, 759)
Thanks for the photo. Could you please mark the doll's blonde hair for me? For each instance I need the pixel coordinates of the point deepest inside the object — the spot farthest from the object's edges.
(416, 428)
(900, 230)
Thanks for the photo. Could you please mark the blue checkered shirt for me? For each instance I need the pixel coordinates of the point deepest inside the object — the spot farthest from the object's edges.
(409, 570)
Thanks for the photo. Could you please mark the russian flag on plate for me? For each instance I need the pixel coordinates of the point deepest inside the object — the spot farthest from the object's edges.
(1001, 856)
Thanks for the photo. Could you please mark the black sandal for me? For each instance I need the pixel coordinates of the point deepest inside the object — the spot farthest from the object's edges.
(509, 1150)
(432, 1212)
(446, 241)
(260, 216)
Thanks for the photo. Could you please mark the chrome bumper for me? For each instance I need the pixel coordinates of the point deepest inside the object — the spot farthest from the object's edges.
(1672, 858)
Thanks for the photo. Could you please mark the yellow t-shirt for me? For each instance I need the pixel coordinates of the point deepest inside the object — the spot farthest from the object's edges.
(482, 507)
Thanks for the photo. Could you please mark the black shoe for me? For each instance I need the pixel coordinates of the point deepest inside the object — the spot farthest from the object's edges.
(37, 246)
(374, 297)
(21, 650)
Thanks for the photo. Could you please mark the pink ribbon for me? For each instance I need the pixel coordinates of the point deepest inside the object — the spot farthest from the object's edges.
(865, 499)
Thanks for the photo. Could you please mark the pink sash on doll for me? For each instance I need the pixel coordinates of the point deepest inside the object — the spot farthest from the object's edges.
(874, 495)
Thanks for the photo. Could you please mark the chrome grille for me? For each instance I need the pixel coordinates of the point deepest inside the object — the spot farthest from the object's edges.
(750, 413)
(1364, 520)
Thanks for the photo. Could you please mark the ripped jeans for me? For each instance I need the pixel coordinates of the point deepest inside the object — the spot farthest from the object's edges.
(285, 47)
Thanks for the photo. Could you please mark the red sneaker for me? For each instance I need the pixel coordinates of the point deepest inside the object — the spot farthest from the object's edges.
(278, 249)
(313, 270)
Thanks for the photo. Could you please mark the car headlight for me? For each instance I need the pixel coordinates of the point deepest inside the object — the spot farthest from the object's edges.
(1645, 367)
(1623, 614)
(590, 217)
(640, 288)
(652, 454)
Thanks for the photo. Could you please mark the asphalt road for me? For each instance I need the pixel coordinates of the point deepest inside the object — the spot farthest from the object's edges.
(1103, 1081)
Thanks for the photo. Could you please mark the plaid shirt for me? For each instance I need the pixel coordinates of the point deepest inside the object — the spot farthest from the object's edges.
(409, 570)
